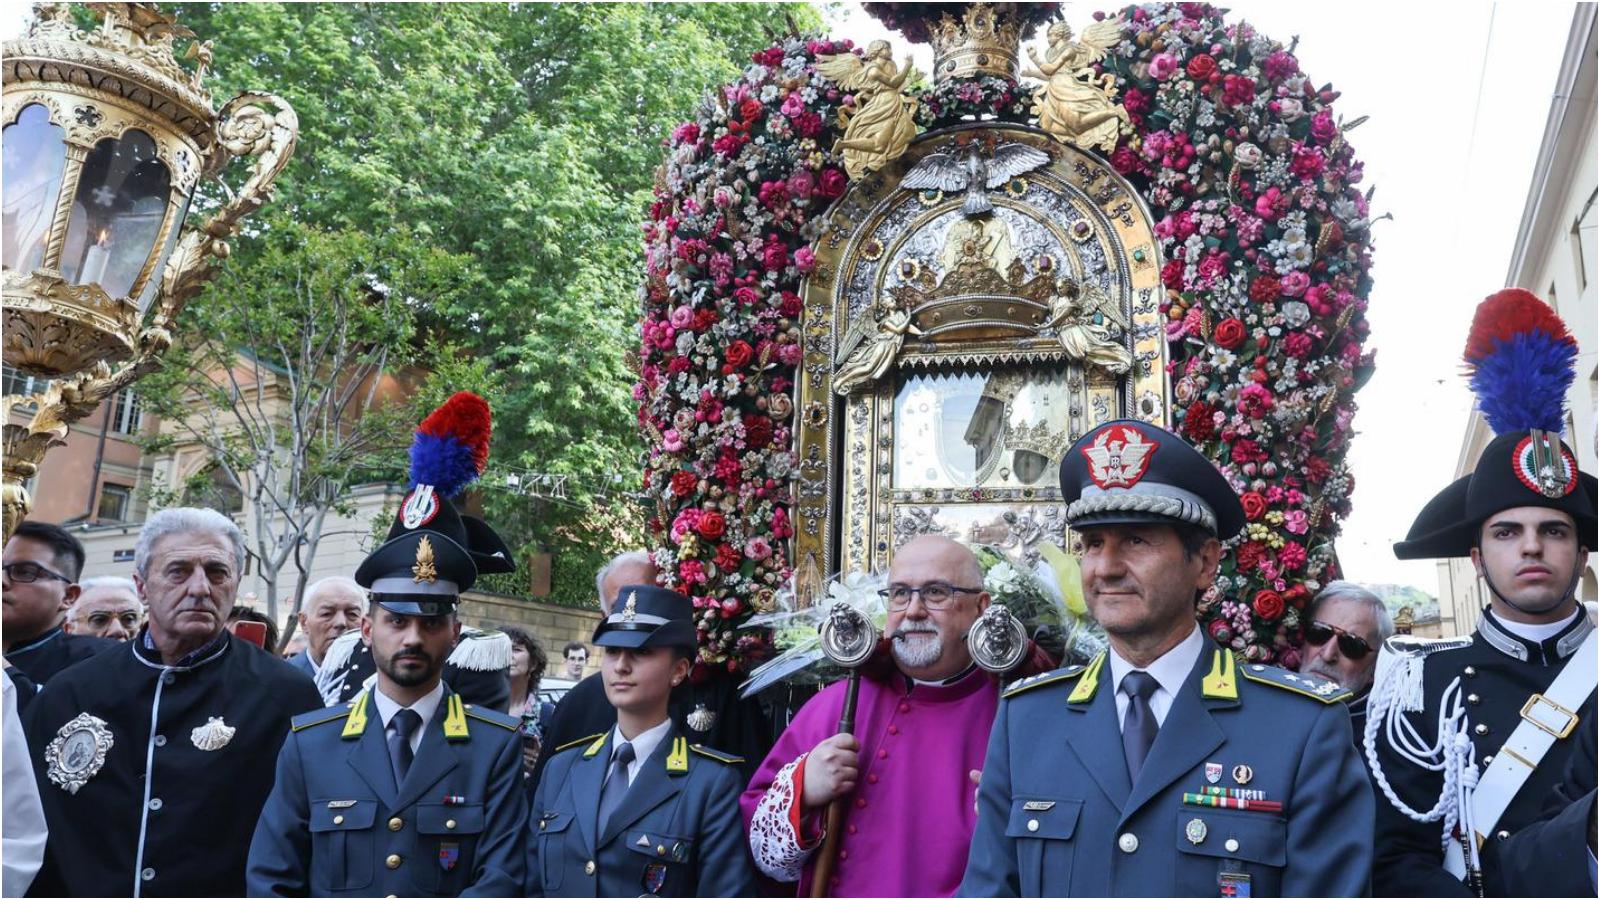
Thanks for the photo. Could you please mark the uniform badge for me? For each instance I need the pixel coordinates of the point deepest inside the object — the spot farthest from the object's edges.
(631, 608)
(1545, 466)
(424, 569)
(1233, 884)
(1195, 831)
(1213, 772)
(655, 877)
(702, 719)
(1242, 774)
(1119, 457)
(213, 735)
(449, 855)
(78, 751)
(419, 507)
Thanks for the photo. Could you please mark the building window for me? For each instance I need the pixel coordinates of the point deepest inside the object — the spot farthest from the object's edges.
(1583, 235)
(114, 502)
(127, 416)
(18, 384)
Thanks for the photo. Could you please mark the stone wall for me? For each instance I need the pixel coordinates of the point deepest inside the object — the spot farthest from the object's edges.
(553, 625)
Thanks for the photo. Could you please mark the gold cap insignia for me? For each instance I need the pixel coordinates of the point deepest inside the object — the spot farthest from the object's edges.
(424, 570)
(631, 608)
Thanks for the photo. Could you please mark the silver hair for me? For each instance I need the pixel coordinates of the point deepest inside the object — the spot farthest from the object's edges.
(340, 582)
(114, 582)
(1349, 590)
(638, 557)
(186, 520)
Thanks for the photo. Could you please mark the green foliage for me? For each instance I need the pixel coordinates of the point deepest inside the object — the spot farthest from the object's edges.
(496, 160)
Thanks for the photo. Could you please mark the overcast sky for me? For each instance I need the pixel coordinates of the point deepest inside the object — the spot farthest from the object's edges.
(1458, 94)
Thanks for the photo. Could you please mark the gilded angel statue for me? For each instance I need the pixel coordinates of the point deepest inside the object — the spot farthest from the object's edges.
(1073, 105)
(880, 128)
(864, 358)
(1089, 325)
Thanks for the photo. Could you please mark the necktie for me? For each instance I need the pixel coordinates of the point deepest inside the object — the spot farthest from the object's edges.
(616, 784)
(401, 727)
(1139, 722)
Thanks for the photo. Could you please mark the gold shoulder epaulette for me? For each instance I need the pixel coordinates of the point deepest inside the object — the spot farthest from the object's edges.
(1315, 688)
(717, 755)
(319, 717)
(580, 742)
(1033, 681)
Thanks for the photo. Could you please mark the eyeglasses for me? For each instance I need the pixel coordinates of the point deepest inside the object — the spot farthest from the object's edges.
(29, 572)
(1318, 633)
(935, 596)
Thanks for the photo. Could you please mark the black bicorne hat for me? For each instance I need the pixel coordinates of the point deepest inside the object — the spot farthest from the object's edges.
(648, 616)
(1128, 472)
(433, 552)
(1520, 359)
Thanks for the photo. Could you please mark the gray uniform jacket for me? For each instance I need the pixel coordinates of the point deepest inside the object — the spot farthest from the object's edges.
(678, 832)
(337, 825)
(1058, 816)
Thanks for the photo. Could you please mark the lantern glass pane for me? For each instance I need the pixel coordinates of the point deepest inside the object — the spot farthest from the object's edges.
(147, 296)
(35, 154)
(116, 217)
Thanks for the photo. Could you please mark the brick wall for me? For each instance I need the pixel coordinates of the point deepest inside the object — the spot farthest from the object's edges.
(553, 625)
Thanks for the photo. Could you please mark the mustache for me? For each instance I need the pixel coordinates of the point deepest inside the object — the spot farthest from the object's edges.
(905, 628)
(411, 653)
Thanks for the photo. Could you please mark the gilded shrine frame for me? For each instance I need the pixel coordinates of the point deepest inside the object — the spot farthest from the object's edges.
(999, 305)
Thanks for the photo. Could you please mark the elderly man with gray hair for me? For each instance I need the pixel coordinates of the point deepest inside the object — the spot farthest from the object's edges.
(107, 607)
(154, 758)
(1344, 627)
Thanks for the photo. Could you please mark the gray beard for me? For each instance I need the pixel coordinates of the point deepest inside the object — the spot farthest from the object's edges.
(925, 652)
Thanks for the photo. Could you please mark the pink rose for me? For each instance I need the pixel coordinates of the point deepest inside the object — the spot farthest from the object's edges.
(804, 260)
(1323, 129)
(1297, 522)
(757, 548)
(1294, 284)
(1162, 65)
(681, 317)
(832, 183)
(802, 184)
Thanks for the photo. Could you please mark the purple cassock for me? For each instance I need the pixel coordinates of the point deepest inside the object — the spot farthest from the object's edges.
(910, 820)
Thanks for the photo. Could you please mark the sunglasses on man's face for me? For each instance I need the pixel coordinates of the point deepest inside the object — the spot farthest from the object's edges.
(1353, 648)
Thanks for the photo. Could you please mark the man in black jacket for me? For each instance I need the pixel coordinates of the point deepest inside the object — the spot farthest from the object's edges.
(155, 757)
(42, 565)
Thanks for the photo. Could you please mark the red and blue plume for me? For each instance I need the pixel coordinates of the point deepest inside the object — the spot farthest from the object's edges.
(451, 446)
(1520, 362)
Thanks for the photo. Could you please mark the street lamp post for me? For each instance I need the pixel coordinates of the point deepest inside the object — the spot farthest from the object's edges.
(106, 137)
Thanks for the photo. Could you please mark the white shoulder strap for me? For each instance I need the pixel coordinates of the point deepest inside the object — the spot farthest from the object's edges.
(1546, 718)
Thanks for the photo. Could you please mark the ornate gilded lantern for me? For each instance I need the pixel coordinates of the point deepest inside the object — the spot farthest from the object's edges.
(106, 137)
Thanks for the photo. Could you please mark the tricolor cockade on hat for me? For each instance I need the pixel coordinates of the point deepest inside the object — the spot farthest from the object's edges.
(433, 552)
(1520, 363)
(1128, 472)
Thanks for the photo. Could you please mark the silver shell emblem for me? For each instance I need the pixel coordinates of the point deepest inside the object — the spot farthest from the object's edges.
(78, 751)
(213, 735)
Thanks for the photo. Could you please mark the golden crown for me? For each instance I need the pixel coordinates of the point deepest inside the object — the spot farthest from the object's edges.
(981, 42)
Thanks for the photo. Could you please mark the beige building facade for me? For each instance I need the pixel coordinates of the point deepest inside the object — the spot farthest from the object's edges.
(1555, 257)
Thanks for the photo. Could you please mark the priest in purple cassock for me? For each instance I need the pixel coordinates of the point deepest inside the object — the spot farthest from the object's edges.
(908, 772)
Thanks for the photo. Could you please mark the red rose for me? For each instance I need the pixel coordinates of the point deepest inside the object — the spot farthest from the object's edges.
(1229, 334)
(832, 183)
(1198, 422)
(750, 109)
(1248, 556)
(1255, 505)
(712, 525)
(683, 483)
(727, 558)
(757, 431)
(1268, 605)
(738, 354)
(1201, 67)
(1265, 289)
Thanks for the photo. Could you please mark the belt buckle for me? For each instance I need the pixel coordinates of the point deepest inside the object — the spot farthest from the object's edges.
(1535, 702)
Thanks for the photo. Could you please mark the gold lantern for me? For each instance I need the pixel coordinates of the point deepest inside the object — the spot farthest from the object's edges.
(106, 138)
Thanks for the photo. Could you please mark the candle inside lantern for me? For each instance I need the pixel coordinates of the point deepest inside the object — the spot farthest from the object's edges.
(94, 262)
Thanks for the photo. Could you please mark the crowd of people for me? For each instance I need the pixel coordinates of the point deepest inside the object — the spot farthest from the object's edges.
(153, 748)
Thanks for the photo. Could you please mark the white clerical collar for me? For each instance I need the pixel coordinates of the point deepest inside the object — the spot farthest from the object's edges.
(1169, 669)
(1540, 632)
(425, 707)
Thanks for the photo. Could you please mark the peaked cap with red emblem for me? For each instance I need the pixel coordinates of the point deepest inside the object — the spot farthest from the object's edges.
(1129, 472)
(433, 551)
(1520, 361)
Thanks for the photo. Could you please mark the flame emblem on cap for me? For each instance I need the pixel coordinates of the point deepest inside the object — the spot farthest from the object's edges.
(424, 570)
(1119, 457)
(631, 608)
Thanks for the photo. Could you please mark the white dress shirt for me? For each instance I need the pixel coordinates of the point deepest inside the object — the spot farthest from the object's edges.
(1536, 632)
(425, 707)
(22, 847)
(643, 745)
(1169, 670)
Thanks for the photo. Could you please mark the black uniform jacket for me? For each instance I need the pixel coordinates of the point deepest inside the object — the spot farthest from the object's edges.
(1499, 672)
(46, 655)
(170, 809)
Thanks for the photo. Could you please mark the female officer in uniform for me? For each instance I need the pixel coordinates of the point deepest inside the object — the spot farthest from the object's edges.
(637, 810)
